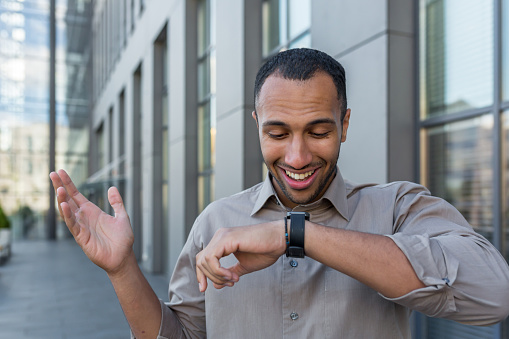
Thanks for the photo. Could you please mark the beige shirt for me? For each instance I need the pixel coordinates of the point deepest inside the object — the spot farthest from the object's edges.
(466, 277)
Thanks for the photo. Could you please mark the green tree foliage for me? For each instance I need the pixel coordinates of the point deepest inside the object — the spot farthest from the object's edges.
(4, 221)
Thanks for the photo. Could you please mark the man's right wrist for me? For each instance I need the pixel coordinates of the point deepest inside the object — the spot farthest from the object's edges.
(126, 268)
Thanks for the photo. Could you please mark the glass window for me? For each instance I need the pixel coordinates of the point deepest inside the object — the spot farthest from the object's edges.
(299, 17)
(459, 168)
(505, 185)
(285, 24)
(505, 50)
(99, 134)
(456, 53)
(206, 101)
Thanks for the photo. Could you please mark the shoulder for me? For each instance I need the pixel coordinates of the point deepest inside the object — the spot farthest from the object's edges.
(238, 202)
(234, 210)
(395, 189)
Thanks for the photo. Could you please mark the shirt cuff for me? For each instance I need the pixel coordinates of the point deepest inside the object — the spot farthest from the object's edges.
(435, 268)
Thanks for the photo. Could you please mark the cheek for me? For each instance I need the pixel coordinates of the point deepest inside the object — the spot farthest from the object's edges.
(326, 149)
(271, 151)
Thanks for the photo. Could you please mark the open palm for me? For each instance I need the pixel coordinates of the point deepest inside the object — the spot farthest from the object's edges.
(106, 240)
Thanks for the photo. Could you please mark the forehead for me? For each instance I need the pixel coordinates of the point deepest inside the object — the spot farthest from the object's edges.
(279, 96)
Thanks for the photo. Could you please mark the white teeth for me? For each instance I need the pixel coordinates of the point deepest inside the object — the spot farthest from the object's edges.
(297, 176)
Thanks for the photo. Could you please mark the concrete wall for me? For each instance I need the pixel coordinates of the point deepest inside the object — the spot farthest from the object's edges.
(373, 40)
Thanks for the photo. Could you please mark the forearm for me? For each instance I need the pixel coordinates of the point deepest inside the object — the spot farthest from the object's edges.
(372, 259)
(139, 302)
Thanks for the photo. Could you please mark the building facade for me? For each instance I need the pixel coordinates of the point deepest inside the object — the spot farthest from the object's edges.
(172, 95)
(25, 135)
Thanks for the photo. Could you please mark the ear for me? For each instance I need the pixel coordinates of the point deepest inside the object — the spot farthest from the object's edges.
(255, 117)
(346, 123)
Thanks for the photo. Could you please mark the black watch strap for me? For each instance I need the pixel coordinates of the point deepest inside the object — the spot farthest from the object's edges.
(297, 227)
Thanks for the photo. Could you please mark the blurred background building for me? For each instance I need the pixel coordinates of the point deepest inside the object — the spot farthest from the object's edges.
(156, 97)
(25, 105)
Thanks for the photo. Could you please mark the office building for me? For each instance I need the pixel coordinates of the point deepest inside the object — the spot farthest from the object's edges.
(172, 94)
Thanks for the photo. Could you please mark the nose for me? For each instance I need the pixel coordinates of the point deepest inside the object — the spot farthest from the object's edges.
(298, 154)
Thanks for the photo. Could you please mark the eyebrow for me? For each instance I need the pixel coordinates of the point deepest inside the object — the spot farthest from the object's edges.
(314, 122)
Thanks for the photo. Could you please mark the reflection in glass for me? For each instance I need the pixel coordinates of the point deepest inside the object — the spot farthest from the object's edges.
(285, 24)
(458, 168)
(270, 25)
(303, 41)
(206, 101)
(24, 105)
(505, 50)
(456, 55)
(299, 18)
(203, 79)
(505, 184)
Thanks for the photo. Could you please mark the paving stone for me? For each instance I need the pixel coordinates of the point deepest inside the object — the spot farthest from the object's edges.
(49, 289)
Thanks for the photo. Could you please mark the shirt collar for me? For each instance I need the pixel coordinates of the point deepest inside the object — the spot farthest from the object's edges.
(336, 194)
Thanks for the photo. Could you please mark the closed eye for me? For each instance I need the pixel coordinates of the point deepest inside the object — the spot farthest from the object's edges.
(320, 135)
(276, 136)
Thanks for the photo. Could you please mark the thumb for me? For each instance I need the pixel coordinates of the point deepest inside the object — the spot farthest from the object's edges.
(237, 271)
(116, 202)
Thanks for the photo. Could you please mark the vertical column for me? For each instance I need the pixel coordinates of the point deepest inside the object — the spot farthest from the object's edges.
(182, 125)
(402, 67)
(359, 41)
(252, 49)
(52, 221)
(229, 169)
(148, 165)
(239, 56)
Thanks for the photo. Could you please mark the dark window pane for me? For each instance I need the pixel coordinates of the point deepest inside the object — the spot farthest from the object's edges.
(505, 195)
(505, 50)
(456, 56)
(459, 169)
(271, 25)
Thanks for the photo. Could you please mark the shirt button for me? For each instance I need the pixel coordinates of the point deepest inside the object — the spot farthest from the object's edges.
(294, 263)
(294, 316)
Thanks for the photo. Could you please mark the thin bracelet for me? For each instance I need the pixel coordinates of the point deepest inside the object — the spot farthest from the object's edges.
(286, 236)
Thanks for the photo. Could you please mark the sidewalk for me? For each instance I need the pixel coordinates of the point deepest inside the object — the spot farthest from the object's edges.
(51, 290)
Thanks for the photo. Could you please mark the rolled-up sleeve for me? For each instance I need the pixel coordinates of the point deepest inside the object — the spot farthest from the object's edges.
(466, 278)
(170, 326)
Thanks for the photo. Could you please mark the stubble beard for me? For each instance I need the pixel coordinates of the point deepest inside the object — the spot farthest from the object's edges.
(331, 173)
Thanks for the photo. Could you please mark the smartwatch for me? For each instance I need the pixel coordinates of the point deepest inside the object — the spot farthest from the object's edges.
(295, 248)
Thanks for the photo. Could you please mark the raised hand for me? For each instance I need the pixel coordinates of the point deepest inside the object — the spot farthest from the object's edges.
(107, 241)
(255, 247)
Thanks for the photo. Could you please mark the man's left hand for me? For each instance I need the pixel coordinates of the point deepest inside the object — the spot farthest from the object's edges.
(255, 247)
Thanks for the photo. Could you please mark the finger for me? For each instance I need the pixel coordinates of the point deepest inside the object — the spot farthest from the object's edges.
(116, 202)
(202, 280)
(218, 286)
(73, 192)
(70, 219)
(56, 182)
(213, 270)
(62, 196)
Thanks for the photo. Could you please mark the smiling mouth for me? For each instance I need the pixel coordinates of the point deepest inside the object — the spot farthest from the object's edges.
(299, 177)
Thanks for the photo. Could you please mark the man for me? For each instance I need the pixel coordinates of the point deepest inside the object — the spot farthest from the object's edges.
(356, 264)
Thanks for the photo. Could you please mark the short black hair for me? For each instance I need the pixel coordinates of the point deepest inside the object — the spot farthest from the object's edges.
(302, 64)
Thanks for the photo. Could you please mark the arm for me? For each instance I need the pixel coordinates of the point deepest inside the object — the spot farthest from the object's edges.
(107, 241)
(374, 260)
(461, 275)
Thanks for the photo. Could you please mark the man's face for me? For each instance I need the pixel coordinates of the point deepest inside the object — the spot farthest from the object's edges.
(299, 124)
